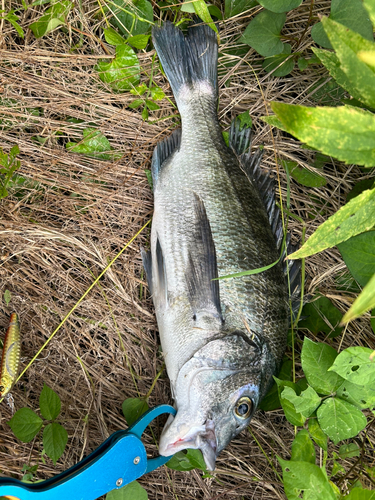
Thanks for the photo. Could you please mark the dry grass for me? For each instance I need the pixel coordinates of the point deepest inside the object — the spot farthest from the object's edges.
(75, 213)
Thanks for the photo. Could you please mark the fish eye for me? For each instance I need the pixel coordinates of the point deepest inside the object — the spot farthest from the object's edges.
(243, 407)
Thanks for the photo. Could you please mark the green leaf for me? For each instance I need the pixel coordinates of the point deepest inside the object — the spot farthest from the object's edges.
(133, 408)
(290, 413)
(316, 358)
(370, 7)
(344, 132)
(280, 6)
(363, 303)
(203, 13)
(226, 137)
(245, 120)
(145, 114)
(25, 424)
(55, 438)
(271, 400)
(360, 187)
(355, 365)
(361, 494)
(321, 316)
(359, 254)
(308, 477)
(302, 63)
(356, 216)
(49, 403)
(53, 17)
(136, 103)
(302, 175)
(316, 433)
(113, 37)
(273, 121)
(152, 106)
(134, 18)
(139, 89)
(12, 18)
(94, 143)
(362, 396)
(303, 448)
(348, 46)
(235, 7)
(279, 64)
(123, 72)
(349, 450)
(340, 420)
(132, 491)
(7, 297)
(149, 178)
(157, 93)
(306, 403)
(349, 13)
(192, 459)
(263, 33)
(138, 41)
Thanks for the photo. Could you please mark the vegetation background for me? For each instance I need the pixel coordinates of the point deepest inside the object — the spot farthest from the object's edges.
(70, 209)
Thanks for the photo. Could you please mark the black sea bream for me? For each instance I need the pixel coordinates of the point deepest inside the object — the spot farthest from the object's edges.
(215, 215)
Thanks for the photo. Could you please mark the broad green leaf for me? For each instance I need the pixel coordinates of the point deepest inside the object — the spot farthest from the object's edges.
(188, 6)
(368, 57)
(152, 106)
(157, 93)
(326, 91)
(145, 114)
(347, 45)
(235, 7)
(7, 297)
(355, 365)
(12, 18)
(302, 63)
(245, 120)
(94, 143)
(321, 316)
(201, 9)
(139, 89)
(360, 187)
(132, 491)
(225, 134)
(307, 477)
(123, 72)
(340, 420)
(302, 175)
(55, 438)
(279, 64)
(113, 37)
(363, 303)
(136, 103)
(302, 448)
(263, 33)
(25, 424)
(357, 216)
(192, 459)
(361, 494)
(133, 408)
(359, 254)
(349, 450)
(345, 132)
(280, 5)
(316, 358)
(49, 403)
(138, 41)
(273, 121)
(306, 403)
(271, 400)
(369, 5)
(362, 396)
(133, 17)
(316, 433)
(149, 178)
(291, 415)
(349, 13)
(53, 17)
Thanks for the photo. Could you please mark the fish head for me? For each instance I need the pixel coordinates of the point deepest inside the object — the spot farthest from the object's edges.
(216, 394)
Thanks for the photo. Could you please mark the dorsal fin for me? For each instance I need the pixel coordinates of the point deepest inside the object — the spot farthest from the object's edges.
(203, 288)
(162, 151)
(240, 141)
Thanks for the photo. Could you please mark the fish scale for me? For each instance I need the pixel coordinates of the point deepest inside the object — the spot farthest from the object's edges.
(222, 341)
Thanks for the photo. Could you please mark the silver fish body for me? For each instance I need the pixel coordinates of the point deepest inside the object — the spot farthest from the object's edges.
(222, 340)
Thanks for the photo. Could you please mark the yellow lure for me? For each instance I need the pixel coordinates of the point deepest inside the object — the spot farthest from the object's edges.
(10, 359)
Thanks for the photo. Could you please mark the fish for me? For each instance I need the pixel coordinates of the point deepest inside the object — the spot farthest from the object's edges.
(10, 358)
(215, 214)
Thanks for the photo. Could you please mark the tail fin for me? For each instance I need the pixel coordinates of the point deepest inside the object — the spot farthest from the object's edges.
(187, 60)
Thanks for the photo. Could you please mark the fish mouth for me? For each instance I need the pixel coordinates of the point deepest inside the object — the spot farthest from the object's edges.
(181, 437)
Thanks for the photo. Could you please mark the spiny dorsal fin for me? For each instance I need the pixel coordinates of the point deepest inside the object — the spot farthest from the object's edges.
(162, 151)
(203, 289)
